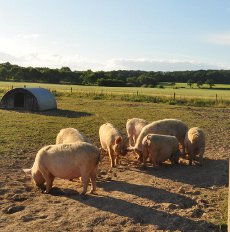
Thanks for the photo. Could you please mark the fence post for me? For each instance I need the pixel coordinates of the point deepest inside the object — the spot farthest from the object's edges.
(174, 96)
(216, 98)
(137, 92)
(71, 90)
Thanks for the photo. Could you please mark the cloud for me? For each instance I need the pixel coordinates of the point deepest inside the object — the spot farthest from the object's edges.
(220, 39)
(158, 65)
(77, 62)
(28, 36)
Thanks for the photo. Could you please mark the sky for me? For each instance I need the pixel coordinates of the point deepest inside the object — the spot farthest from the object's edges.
(150, 35)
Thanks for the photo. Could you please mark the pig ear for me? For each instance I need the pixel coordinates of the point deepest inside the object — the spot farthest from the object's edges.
(118, 140)
(27, 170)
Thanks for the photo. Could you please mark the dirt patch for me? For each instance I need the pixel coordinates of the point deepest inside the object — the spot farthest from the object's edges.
(129, 198)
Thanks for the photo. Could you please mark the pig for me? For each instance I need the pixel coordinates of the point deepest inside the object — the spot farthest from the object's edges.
(112, 142)
(134, 127)
(195, 144)
(159, 148)
(66, 161)
(172, 127)
(70, 135)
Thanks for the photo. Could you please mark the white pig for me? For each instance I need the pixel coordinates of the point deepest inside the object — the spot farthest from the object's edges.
(66, 161)
(134, 127)
(195, 144)
(70, 135)
(112, 142)
(159, 148)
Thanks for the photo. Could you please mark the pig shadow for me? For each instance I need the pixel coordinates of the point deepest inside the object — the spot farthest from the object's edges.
(144, 215)
(140, 214)
(212, 173)
(151, 193)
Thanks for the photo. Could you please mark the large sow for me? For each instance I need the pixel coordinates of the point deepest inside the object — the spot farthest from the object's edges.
(66, 161)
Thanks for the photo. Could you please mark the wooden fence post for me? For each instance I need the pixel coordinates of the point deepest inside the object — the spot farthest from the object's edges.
(174, 96)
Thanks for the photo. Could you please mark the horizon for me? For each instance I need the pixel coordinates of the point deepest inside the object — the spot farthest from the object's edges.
(116, 35)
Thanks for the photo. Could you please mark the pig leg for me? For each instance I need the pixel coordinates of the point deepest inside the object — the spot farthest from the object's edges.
(191, 158)
(85, 182)
(117, 160)
(183, 153)
(111, 156)
(49, 181)
(145, 155)
(201, 153)
(93, 180)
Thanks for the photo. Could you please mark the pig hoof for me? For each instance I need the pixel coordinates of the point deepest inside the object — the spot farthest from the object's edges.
(46, 192)
(93, 192)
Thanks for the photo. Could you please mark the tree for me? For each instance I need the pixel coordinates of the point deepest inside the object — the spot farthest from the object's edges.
(210, 82)
(199, 84)
(147, 79)
(190, 82)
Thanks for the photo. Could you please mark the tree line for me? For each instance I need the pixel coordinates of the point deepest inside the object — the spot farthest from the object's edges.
(65, 75)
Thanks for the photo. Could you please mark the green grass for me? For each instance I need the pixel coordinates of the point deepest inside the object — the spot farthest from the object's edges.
(180, 93)
(181, 96)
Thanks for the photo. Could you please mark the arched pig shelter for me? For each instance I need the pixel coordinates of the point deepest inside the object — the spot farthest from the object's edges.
(32, 99)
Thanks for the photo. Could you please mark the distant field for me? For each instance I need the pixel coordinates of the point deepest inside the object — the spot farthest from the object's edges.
(180, 89)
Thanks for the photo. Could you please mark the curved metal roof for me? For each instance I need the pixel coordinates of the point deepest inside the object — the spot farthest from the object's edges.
(45, 98)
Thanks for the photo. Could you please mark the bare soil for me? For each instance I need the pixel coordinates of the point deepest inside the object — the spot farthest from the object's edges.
(129, 198)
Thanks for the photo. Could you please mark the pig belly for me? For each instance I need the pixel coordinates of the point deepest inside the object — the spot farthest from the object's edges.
(68, 174)
(65, 171)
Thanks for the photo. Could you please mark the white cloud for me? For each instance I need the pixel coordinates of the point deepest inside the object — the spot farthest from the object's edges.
(77, 62)
(28, 36)
(158, 65)
(220, 39)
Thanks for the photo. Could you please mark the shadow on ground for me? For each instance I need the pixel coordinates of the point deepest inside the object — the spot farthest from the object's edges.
(64, 113)
(56, 113)
(139, 214)
(212, 173)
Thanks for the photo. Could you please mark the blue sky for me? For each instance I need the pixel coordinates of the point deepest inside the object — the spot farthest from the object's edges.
(156, 35)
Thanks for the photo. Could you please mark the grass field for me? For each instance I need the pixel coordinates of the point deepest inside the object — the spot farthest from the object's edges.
(178, 198)
(168, 91)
